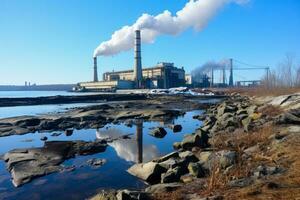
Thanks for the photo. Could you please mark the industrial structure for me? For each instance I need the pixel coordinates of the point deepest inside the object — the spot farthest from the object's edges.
(207, 76)
(163, 75)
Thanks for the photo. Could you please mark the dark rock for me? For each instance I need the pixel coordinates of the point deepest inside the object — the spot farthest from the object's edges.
(28, 122)
(56, 134)
(44, 138)
(188, 156)
(94, 162)
(196, 170)
(172, 175)
(27, 164)
(175, 127)
(69, 168)
(131, 195)
(291, 117)
(158, 132)
(69, 132)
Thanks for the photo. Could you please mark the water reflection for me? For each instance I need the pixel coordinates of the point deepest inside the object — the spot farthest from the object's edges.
(131, 149)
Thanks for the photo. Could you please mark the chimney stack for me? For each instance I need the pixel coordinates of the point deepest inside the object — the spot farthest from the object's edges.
(137, 75)
(95, 70)
(231, 74)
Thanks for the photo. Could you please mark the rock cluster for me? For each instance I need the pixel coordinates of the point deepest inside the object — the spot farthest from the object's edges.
(235, 112)
(27, 164)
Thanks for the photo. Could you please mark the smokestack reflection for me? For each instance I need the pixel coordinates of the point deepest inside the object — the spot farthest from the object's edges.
(139, 140)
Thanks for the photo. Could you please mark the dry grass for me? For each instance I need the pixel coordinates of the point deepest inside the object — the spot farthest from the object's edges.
(240, 140)
(282, 186)
(271, 110)
(264, 91)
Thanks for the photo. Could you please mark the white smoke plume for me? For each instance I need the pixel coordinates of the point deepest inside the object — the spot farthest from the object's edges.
(195, 14)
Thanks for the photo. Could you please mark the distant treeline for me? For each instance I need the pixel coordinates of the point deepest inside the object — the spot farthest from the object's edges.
(54, 87)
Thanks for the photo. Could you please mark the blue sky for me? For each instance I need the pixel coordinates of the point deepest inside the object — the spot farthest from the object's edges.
(52, 41)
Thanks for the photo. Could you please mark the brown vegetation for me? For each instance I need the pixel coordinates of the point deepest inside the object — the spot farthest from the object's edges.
(283, 186)
(264, 91)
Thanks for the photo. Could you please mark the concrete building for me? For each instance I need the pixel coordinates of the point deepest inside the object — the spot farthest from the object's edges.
(163, 75)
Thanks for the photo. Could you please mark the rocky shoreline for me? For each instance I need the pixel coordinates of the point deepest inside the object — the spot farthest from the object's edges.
(232, 150)
(30, 163)
(157, 109)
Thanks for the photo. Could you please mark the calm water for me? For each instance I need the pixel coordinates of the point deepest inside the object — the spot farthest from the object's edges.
(85, 181)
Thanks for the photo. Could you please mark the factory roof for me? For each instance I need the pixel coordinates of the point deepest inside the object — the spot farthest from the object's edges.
(158, 66)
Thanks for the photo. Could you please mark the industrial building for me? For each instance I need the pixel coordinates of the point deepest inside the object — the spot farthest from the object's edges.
(163, 75)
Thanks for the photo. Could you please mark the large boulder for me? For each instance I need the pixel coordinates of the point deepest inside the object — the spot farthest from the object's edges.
(200, 139)
(158, 132)
(172, 175)
(149, 172)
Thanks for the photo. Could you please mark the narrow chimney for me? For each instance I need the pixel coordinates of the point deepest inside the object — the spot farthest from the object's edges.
(95, 70)
(231, 73)
(137, 75)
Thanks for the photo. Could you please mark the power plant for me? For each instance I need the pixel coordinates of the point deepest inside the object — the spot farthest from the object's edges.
(162, 75)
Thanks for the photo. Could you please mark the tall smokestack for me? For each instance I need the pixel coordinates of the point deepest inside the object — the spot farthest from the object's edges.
(231, 73)
(95, 70)
(137, 74)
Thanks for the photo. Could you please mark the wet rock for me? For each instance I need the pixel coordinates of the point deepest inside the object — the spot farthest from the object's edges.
(56, 134)
(196, 170)
(163, 187)
(175, 127)
(27, 164)
(44, 138)
(149, 172)
(69, 168)
(158, 132)
(94, 162)
(69, 132)
(28, 122)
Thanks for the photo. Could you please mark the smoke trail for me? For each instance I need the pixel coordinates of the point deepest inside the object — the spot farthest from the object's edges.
(195, 14)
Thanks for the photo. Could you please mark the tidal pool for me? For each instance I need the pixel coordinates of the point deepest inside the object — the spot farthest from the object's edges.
(85, 180)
